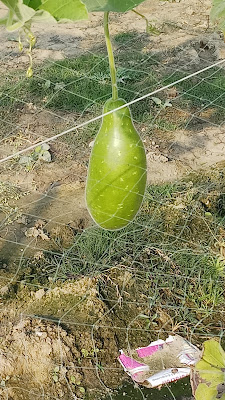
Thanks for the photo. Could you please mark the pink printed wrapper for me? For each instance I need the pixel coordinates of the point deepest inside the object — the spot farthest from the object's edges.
(162, 362)
(152, 348)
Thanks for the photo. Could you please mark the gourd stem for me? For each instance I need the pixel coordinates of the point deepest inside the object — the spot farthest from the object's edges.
(111, 57)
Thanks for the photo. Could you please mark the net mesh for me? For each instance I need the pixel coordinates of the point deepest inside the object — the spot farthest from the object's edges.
(73, 294)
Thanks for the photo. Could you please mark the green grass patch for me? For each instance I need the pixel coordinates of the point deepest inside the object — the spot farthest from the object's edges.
(206, 91)
(78, 84)
(171, 246)
(82, 85)
(125, 37)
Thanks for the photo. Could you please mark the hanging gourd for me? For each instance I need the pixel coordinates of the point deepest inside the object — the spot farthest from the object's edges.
(117, 168)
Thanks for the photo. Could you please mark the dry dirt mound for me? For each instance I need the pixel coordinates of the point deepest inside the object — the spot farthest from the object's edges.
(67, 340)
(30, 357)
(60, 350)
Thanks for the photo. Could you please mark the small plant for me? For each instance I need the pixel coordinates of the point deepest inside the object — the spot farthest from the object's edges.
(149, 320)
(77, 382)
(40, 153)
(89, 353)
(4, 381)
(151, 29)
(160, 103)
(100, 367)
(55, 375)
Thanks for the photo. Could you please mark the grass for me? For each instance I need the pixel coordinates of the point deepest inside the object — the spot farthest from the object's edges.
(124, 38)
(77, 85)
(172, 242)
(82, 85)
(170, 250)
(203, 92)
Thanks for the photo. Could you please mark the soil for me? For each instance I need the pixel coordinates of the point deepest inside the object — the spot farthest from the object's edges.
(66, 330)
(60, 339)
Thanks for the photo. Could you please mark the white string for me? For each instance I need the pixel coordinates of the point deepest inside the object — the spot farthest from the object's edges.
(110, 112)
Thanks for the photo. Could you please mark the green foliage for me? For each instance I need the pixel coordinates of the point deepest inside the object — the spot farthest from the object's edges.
(170, 244)
(55, 374)
(151, 29)
(72, 9)
(77, 84)
(111, 5)
(206, 92)
(20, 15)
(218, 13)
(210, 373)
(24, 12)
(40, 153)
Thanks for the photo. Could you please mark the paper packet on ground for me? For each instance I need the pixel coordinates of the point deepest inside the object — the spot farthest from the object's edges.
(161, 362)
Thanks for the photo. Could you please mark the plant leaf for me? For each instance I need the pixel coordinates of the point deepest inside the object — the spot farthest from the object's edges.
(210, 373)
(204, 392)
(214, 354)
(19, 12)
(157, 101)
(24, 160)
(23, 13)
(45, 146)
(111, 5)
(3, 21)
(218, 13)
(35, 4)
(42, 16)
(45, 156)
(71, 9)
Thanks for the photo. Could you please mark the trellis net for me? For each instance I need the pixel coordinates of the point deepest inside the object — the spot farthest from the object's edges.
(74, 294)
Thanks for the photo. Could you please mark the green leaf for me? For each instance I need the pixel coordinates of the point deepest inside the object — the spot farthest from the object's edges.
(214, 354)
(45, 146)
(19, 12)
(35, 4)
(111, 5)
(73, 380)
(157, 101)
(42, 16)
(38, 149)
(24, 160)
(210, 373)
(218, 13)
(71, 9)
(204, 392)
(3, 21)
(45, 156)
(23, 14)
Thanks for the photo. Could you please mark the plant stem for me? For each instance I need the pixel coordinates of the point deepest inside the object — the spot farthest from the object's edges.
(111, 57)
(142, 16)
(149, 27)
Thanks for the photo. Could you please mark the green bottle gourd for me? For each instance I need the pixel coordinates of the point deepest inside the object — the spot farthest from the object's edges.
(117, 170)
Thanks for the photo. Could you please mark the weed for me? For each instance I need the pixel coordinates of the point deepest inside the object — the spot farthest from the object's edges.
(40, 153)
